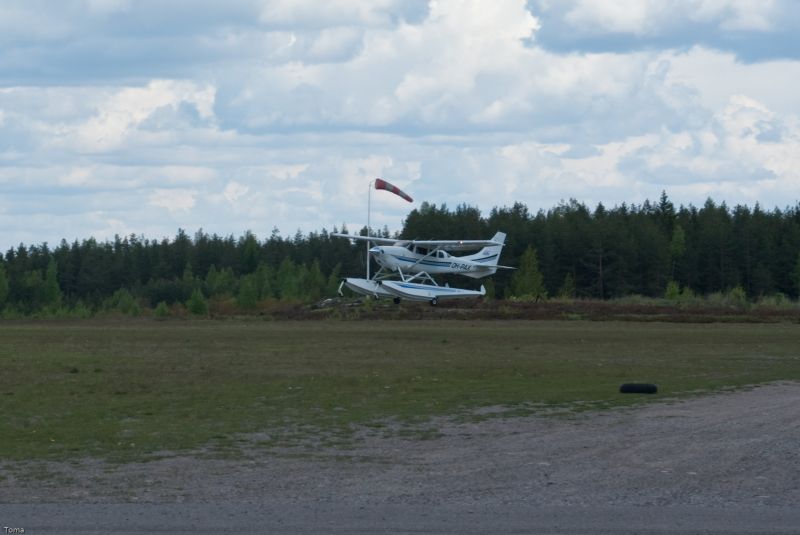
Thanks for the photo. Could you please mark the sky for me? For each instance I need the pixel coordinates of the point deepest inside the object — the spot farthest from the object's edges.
(122, 117)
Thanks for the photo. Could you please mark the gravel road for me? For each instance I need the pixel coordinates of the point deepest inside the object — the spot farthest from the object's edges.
(726, 463)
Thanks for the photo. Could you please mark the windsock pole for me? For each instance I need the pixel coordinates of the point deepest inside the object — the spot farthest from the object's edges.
(369, 212)
(380, 184)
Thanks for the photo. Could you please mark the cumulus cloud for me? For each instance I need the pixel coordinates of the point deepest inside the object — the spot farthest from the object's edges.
(309, 13)
(715, 76)
(465, 67)
(727, 157)
(641, 17)
(752, 29)
(252, 114)
(173, 200)
(95, 120)
(122, 111)
(234, 191)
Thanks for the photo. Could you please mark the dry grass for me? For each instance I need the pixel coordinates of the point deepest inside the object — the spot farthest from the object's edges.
(126, 389)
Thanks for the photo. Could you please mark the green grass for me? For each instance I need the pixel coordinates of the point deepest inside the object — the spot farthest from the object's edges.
(126, 389)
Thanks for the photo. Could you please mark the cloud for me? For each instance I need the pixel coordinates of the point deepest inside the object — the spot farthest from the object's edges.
(309, 13)
(234, 191)
(161, 105)
(752, 29)
(105, 7)
(727, 158)
(715, 76)
(47, 43)
(144, 116)
(465, 68)
(173, 200)
(641, 17)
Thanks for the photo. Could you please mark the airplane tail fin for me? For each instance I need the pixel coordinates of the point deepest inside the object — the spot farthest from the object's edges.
(489, 257)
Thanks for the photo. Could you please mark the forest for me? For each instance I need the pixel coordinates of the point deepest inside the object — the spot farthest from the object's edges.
(570, 251)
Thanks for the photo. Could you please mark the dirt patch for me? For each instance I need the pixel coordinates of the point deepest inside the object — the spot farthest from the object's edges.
(721, 450)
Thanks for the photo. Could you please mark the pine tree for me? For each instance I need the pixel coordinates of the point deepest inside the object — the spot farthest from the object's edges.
(197, 303)
(314, 284)
(221, 282)
(3, 286)
(122, 301)
(51, 292)
(247, 296)
(673, 291)
(188, 281)
(248, 245)
(334, 280)
(161, 311)
(567, 290)
(212, 281)
(677, 247)
(288, 279)
(796, 274)
(265, 277)
(491, 291)
(527, 282)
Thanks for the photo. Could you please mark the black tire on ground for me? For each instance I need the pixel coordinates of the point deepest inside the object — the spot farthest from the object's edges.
(396, 300)
(434, 302)
(638, 388)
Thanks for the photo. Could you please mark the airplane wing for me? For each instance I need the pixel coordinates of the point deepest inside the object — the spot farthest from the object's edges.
(373, 239)
(455, 245)
(444, 245)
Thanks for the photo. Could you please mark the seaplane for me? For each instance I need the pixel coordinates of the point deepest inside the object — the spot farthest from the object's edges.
(407, 267)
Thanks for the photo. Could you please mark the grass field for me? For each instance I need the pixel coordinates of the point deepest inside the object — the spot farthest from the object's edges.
(126, 389)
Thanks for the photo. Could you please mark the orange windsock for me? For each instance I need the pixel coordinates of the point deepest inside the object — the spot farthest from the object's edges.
(382, 184)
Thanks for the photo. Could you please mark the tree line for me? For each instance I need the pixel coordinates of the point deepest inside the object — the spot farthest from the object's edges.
(636, 249)
(571, 251)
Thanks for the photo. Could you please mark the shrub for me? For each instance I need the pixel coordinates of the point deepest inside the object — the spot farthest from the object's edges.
(737, 297)
(527, 283)
(162, 311)
(777, 300)
(247, 296)
(122, 301)
(673, 291)
(197, 304)
(567, 290)
(687, 296)
(80, 310)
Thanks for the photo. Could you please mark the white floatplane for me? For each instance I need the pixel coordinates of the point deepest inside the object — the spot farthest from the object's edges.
(407, 267)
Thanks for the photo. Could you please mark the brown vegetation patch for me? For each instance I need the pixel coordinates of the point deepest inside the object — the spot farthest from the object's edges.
(593, 310)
